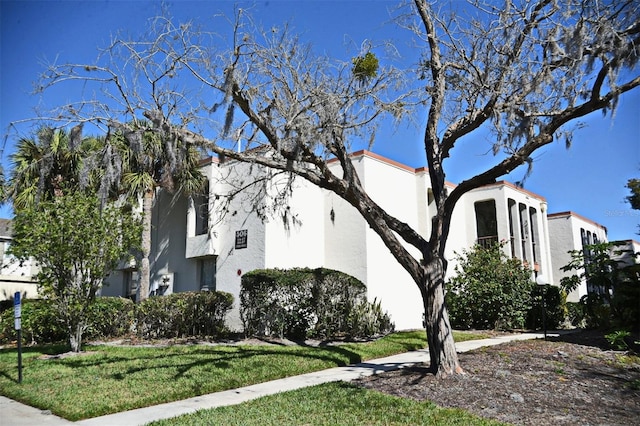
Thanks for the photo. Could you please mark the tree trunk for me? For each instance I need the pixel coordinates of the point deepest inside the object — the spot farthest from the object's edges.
(75, 336)
(147, 204)
(442, 349)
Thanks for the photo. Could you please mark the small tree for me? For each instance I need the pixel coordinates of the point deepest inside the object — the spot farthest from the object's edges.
(490, 290)
(76, 245)
(613, 287)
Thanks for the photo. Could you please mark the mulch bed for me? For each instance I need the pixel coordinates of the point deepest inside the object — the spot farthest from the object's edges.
(570, 380)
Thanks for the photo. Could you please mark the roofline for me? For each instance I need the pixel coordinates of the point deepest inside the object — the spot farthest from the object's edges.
(366, 153)
(402, 166)
(579, 216)
(514, 187)
(208, 160)
(629, 241)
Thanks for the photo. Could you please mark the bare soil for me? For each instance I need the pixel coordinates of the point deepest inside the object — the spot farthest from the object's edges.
(574, 379)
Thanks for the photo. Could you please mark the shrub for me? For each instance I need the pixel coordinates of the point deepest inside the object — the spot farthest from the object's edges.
(40, 323)
(302, 302)
(613, 286)
(576, 314)
(274, 302)
(489, 291)
(200, 314)
(368, 319)
(110, 317)
(555, 305)
(194, 314)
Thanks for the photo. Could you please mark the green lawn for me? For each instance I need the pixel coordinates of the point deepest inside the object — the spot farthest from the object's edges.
(329, 404)
(113, 379)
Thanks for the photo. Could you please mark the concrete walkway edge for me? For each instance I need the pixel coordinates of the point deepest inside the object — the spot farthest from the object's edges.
(16, 414)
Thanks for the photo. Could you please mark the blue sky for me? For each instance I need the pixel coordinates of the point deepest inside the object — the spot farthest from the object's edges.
(588, 179)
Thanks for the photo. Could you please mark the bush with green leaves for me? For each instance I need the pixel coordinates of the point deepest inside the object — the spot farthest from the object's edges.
(77, 242)
(613, 298)
(188, 314)
(489, 291)
(109, 317)
(40, 323)
(368, 319)
(302, 302)
(555, 306)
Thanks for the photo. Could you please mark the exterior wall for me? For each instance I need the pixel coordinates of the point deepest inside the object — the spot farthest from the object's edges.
(14, 275)
(168, 264)
(232, 261)
(332, 234)
(298, 244)
(393, 187)
(464, 230)
(565, 233)
(345, 233)
(630, 252)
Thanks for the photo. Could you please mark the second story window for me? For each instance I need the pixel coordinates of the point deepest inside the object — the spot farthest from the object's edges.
(486, 222)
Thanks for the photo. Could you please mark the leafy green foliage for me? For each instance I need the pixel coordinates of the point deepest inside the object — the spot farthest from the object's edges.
(555, 306)
(617, 339)
(76, 245)
(108, 317)
(302, 302)
(193, 314)
(40, 323)
(368, 319)
(365, 68)
(614, 287)
(54, 161)
(634, 199)
(489, 290)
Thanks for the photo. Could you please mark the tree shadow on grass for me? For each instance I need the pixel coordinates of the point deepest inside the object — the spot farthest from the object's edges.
(183, 360)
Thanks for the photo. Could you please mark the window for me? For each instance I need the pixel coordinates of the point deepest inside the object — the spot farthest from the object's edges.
(201, 203)
(524, 230)
(208, 273)
(511, 204)
(533, 215)
(131, 280)
(486, 222)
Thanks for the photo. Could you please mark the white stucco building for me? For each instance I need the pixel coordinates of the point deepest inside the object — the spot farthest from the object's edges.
(627, 252)
(569, 231)
(15, 275)
(195, 247)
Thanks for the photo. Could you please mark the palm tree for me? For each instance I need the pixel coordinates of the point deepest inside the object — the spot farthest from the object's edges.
(141, 163)
(130, 160)
(43, 167)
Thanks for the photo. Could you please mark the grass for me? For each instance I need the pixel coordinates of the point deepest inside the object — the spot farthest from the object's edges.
(329, 404)
(112, 379)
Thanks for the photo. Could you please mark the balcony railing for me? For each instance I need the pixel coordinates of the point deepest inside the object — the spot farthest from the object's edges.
(487, 242)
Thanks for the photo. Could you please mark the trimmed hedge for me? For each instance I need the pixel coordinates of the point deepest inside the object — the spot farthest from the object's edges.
(108, 317)
(200, 314)
(302, 302)
(188, 314)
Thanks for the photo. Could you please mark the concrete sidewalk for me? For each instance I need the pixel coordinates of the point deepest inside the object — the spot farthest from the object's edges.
(16, 414)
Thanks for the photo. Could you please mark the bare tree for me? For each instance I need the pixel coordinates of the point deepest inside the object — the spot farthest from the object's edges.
(521, 70)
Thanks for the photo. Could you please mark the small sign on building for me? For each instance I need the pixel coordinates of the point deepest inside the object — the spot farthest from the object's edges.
(241, 239)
